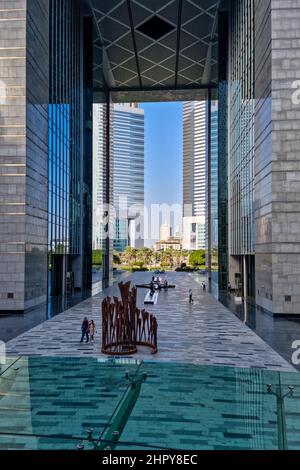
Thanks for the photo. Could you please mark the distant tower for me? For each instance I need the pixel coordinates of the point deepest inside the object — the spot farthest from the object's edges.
(98, 175)
(128, 175)
(165, 232)
(194, 171)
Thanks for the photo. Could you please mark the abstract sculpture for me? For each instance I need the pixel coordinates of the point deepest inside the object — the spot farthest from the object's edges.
(124, 326)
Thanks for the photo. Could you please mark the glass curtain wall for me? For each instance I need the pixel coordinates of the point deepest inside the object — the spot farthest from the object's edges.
(241, 142)
(64, 190)
(128, 172)
(223, 152)
(214, 192)
(241, 131)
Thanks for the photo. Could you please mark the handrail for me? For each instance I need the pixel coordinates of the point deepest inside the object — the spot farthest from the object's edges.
(123, 410)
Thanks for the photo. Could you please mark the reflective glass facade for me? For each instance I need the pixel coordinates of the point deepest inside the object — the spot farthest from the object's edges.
(98, 175)
(195, 147)
(59, 56)
(128, 171)
(102, 190)
(241, 147)
(212, 191)
(214, 175)
(69, 186)
(241, 128)
(223, 152)
(64, 203)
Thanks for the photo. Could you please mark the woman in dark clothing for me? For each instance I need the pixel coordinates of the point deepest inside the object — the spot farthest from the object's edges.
(85, 330)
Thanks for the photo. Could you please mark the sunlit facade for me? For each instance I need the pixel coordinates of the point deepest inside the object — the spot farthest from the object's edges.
(69, 175)
(241, 148)
(128, 175)
(58, 58)
(194, 173)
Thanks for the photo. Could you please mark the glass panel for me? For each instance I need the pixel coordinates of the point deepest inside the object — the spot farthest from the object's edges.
(50, 403)
(57, 399)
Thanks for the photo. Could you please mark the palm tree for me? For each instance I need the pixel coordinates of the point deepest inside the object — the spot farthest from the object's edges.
(145, 255)
(129, 255)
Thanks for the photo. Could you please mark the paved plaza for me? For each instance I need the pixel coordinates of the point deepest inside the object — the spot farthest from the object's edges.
(202, 333)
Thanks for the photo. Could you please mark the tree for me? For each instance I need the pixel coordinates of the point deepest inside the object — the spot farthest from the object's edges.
(145, 255)
(166, 259)
(157, 257)
(117, 259)
(97, 257)
(129, 255)
(197, 258)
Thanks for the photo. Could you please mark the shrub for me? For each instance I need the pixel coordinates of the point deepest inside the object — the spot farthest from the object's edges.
(97, 257)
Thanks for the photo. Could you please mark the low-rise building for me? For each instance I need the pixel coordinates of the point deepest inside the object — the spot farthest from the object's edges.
(170, 244)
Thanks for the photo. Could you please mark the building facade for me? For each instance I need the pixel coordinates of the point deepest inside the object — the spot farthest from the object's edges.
(99, 175)
(57, 58)
(196, 145)
(194, 173)
(165, 232)
(128, 175)
(241, 148)
(69, 153)
(172, 243)
(45, 153)
(24, 154)
(212, 194)
(262, 123)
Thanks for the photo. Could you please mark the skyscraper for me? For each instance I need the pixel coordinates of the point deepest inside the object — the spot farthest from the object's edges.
(44, 143)
(69, 152)
(195, 146)
(212, 190)
(128, 175)
(99, 174)
(57, 58)
(165, 232)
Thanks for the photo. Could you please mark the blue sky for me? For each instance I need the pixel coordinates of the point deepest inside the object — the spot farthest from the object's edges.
(163, 153)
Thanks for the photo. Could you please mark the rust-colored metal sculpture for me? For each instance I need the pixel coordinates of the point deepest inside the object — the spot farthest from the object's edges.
(124, 326)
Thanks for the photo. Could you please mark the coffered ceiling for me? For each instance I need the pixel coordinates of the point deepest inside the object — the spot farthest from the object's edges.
(155, 44)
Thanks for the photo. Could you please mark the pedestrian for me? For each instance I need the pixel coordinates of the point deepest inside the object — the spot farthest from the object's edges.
(85, 330)
(203, 286)
(191, 300)
(152, 289)
(92, 330)
(229, 287)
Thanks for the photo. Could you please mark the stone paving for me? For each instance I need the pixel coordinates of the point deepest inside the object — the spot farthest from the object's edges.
(202, 333)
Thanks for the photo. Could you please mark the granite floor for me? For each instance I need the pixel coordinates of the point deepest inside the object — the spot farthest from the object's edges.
(203, 333)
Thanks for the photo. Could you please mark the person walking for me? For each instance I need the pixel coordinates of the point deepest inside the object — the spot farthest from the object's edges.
(191, 300)
(92, 331)
(203, 286)
(85, 330)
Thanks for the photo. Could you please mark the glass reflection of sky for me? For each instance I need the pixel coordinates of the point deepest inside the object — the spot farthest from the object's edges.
(59, 176)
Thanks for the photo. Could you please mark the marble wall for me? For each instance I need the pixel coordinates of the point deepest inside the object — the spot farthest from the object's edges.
(12, 153)
(277, 157)
(263, 155)
(37, 99)
(285, 157)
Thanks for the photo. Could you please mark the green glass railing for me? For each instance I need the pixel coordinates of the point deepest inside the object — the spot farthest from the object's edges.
(85, 403)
